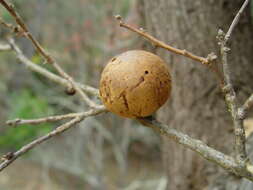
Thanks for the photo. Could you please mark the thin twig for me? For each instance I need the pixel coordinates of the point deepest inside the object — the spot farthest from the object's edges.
(15, 29)
(45, 54)
(7, 25)
(19, 21)
(236, 20)
(225, 161)
(243, 111)
(209, 61)
(35, 67)
(161, 44)
(5, 47)
(18, 121)
(219, 158)
(229, 92)
(230, 98)
(13, 156)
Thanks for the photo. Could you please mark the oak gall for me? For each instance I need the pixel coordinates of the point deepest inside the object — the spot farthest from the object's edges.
(135, 84)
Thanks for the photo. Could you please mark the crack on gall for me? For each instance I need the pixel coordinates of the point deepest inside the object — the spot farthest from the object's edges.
(141, 80)
(123, 95)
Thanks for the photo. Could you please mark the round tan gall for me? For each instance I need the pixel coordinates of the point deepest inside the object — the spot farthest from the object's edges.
(135, 84)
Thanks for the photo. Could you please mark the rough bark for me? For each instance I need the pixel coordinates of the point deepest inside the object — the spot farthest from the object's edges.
(197, 106)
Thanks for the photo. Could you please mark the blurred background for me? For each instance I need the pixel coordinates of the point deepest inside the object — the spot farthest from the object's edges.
(103, 152)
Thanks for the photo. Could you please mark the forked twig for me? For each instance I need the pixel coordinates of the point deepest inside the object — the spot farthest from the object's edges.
(19, 21)
(46, 55)
(238, 166)
(36, 68)
(229, 91)
(17, 122)
(13, 156)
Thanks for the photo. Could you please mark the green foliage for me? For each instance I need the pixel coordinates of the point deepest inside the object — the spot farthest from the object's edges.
(36, 59)
(25, 105)
(6, 16)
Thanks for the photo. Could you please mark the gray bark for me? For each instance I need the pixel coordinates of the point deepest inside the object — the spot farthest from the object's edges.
(197, 106)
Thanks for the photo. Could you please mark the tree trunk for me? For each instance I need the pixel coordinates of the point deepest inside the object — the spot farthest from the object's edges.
(197, 105)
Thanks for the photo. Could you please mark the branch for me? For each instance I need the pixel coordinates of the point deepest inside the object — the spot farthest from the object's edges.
(230, 164)
(243, 111)
(231, 98)
(236, 20)
(46, 55)
(18, 121)
(209, 61)
(19, 21)
(229, 92)
(161, 44)
(11, 157)
(7, 25)
(225, 161)
(35, 67)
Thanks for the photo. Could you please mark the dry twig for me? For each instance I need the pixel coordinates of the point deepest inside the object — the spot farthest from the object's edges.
(236, 20)
(161, 44)
(243, 111)
(228, 163)
(241, 156)
(229, 92)
(237, 166)
(46, 55)
(209, 61)
(231, 98)
(36, 68)
(7, 25)
(19, 21)
(17, 122)
(76, 117)
(8, 160)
